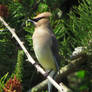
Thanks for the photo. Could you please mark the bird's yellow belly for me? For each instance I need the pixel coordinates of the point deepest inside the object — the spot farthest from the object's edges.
(45, 57)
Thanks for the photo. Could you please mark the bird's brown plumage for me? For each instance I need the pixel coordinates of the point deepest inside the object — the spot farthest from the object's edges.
(45, 43)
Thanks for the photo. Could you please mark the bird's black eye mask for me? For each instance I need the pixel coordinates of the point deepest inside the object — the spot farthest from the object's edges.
(35, 20)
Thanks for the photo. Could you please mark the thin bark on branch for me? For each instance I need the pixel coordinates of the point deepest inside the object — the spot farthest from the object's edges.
(30, 59)
(43, 85)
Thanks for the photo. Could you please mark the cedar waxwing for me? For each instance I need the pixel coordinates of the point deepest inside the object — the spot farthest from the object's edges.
(45, 44)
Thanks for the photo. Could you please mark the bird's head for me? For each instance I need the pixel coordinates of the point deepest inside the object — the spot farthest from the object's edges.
(41, 19)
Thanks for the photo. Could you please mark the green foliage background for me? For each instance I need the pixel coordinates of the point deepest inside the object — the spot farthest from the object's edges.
(71, 23)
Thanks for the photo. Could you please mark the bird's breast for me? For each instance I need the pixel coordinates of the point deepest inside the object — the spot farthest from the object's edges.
(41, 38)
(42, 47)
(45, 57)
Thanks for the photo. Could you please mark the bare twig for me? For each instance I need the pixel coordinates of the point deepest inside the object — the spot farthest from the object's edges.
(72, 67)
(60, 88)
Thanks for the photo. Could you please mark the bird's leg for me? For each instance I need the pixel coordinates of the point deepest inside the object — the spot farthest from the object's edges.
(47, 73)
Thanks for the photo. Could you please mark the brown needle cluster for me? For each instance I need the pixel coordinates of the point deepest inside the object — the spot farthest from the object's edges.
(4, 10)
(13, 85)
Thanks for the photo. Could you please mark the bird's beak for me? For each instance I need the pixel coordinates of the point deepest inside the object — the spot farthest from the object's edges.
(30, 20)
(34, 21)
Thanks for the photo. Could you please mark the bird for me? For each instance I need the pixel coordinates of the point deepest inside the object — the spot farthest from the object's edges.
(45, 44)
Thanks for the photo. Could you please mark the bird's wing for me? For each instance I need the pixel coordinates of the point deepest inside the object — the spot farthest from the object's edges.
(55, 50)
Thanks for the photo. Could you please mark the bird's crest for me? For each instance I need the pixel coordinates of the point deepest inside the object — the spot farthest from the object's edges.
(45, 15)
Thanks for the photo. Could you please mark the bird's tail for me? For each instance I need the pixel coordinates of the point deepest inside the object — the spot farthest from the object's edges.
(52, 74)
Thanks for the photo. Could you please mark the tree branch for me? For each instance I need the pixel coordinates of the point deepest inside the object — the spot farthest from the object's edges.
(72, 67)
(30, 59)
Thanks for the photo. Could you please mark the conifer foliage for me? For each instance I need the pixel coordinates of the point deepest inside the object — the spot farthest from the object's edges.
(72, 27)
